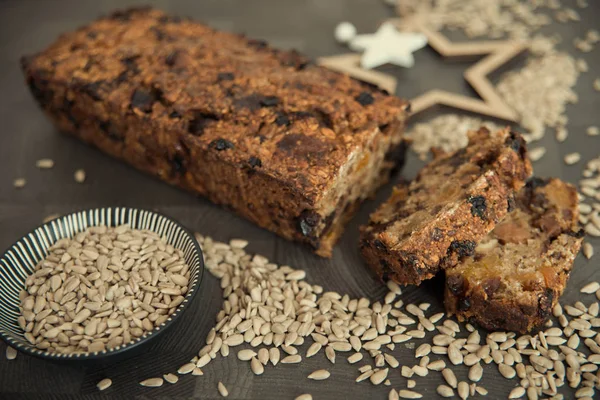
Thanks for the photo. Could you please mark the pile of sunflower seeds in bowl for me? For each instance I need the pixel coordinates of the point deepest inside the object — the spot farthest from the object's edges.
(102, 289)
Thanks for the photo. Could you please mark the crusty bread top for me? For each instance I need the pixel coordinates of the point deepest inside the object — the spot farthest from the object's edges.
(530, 250)
(446, 180)
(250, 104)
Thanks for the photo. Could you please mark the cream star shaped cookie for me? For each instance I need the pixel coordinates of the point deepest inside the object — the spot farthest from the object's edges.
(388, 45)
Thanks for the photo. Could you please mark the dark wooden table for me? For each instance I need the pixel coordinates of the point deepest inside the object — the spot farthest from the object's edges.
(28, 26)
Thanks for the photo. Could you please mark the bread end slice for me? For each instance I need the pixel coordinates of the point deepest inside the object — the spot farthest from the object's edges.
(519, 270)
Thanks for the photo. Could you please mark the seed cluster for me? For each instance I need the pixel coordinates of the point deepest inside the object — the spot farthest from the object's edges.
(589, 205)
(271, 310)
(447, 132)
(102, 289)
(539, 91)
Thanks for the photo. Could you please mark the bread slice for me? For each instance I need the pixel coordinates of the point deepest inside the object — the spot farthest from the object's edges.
(520, 269)
(453, 203)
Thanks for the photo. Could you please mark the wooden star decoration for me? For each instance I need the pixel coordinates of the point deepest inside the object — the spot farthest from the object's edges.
(496, 53)
(350, 64)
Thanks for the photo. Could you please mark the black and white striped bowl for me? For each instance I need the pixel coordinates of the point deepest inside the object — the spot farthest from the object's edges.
(20, 260)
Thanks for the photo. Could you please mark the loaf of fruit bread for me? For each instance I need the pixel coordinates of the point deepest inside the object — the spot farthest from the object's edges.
(437, 219)
(287, 144)
(520, 269)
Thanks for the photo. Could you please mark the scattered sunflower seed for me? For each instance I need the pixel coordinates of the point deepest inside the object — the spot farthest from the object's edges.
(537, 153)
(19, 183)
(572, 158)
(171, 378)
(152, 382)
(44, 163)
(593, 131)
(379, 376)
(445, 391)
(104, 384)
(11, 353)
(79, 176)
(463, 390)
(409, 394)
(590, 288)
(222, 389)
(319, 375)
(186, 368)
(293, 359)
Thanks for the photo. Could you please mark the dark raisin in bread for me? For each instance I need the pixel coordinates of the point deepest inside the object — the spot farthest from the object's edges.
(453, 203)
(287, 144)
(520, 269)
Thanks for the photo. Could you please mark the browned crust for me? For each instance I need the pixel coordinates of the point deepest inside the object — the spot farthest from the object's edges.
(502, 314)
(453, 234)
(261, 131)
(478, 303)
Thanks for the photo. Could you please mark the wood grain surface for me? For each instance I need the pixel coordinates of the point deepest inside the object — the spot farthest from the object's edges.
(28, 26)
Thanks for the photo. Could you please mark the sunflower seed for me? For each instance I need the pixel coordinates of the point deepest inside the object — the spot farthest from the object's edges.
(246, 354)
(409, 394)
(379, 376)
(11, 353)
(454, 355)
(171, 378)
(475, 372)
(79, 176)
(423, 350)
(406, 371)
(256, 366)
(202, 361)
(588, 250)
(354, 358)
(572, 158)
(238, 243)
(450, 378)
(152, 382)
(274, 355)
(365, 375)
(19, 183)
(186, 368)
(420, 370)
(313, 349)
(305, 396)
(590, 288)
(222, 389)
(330, 354)
(437, 365)
(507, 371)
(293, 359)
(263, 356)
(44, 163)
(537, 153)
(341, 346)
(445, 391)
(319, 375)
(104, 384)
(463, 390)
(393, 395)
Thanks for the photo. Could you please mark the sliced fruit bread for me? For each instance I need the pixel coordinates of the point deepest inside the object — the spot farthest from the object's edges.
(452, 204)
(519, 270)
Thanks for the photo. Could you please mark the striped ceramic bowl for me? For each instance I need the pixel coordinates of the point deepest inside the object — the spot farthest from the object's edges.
(20, 260)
